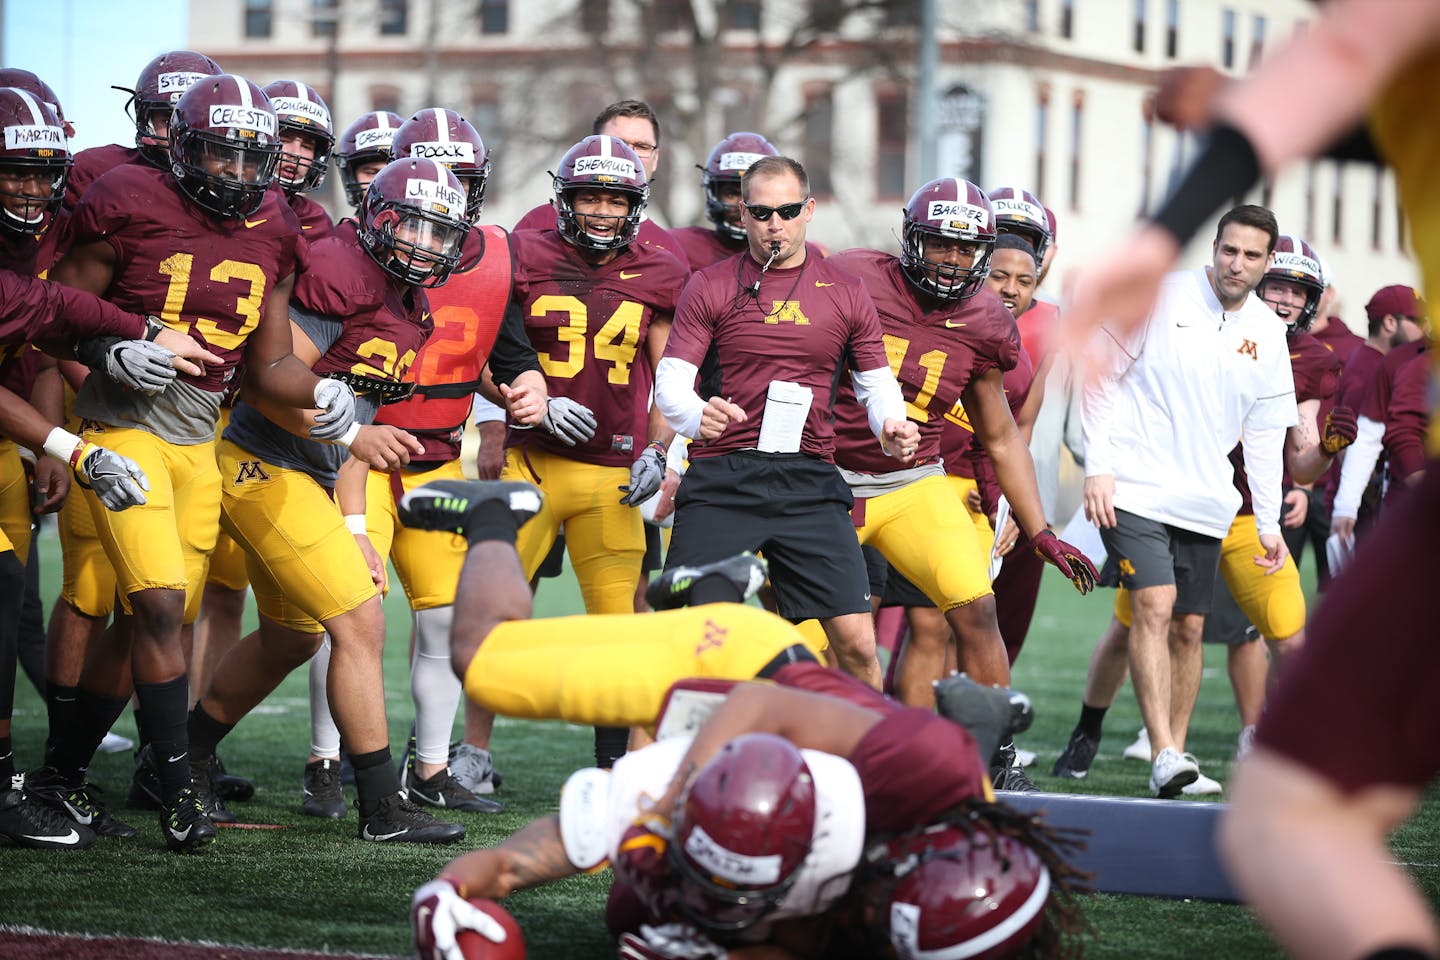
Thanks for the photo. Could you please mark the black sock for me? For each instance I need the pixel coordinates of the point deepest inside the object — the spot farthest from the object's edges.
(166, 716)
(375, 778)
(1090, 720)
(205, 734)
(94, 715)
(1398, 953)
(714, 589)
(141, 738)
(62, 706)
(7, 762)
(491, 520)
(610, 745)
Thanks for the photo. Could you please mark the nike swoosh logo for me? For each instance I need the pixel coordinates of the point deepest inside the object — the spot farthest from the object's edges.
(179, 835)
(953, 325)
(70, 839)
(251, 224)
(83, 820)
(177, 759)
(436, 801)
(822, 283)
(629, 276)
(379, 836)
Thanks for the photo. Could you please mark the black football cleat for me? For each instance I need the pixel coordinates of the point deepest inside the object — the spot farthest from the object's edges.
(1074, 762)
(1006, 773)
(445, 792)
(144, 792)
(201, 777)
(323, 795)
(29, 822)
(227, 785)
(447, 505)
(81, 804)
(745, 572)
(186, 827)
(397, 820)
(992, 715)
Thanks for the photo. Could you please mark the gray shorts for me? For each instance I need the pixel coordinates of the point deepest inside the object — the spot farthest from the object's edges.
(1147, 553)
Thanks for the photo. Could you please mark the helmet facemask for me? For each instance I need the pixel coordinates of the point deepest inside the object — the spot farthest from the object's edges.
(944, 281)
(31, 192)
(226, 175)
(414, 246)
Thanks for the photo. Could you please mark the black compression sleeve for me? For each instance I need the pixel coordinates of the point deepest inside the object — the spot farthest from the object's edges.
(1226, 168)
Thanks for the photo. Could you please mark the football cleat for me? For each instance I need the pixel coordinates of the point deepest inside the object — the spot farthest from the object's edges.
(992, 715)
(80, 804)
(1172, 772)
(1007, 774)
(186, 827)
(447, 505)
(474, 768)
(397, 820)
(323, 796)
(201, 777)
(229, 786)
(144, 793)
(1074, 762)
(28, 822)
(745, 572)
(445, 792)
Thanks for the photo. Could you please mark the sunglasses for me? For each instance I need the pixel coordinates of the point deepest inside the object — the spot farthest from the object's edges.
(788, 211)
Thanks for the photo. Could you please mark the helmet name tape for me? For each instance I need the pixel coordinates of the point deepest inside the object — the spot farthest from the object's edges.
(738, 161)
(974, 217)
(1018, 207)
(736, 868)
(439, 194)
(380, 137)
(453, 152)
(33, 137)
(602, 166)
(1296, 262)
(298, 107)
(177, 82)
(242, 118)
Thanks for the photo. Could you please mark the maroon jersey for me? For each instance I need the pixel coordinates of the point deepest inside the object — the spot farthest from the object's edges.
(649, 234)
(588, 325)
(1355, 378)
(1406, 420)
(1377, 399)
(805, 325)
(933, 353)
(94, 163)
(1339, 338)
(964, 456)
(913, 764)
(702, 246)
(203, 276)
(1316, 371)
(315, 223)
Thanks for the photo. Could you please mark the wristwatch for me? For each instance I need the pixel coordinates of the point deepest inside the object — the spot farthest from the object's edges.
(153, 326)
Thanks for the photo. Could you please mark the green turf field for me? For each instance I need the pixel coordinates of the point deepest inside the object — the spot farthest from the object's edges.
(311, 885)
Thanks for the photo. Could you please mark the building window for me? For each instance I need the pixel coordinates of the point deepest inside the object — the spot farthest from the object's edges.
(494, 16)
(892, 123)
(671, 15)
(961, 140)
(1377, 207)
(324, 18)
(1310, 199)
(385, 97)
(1077, 129)
(1042, 121)
(1138, 41)
(1337, 206)
(1227, 38)
(1067, 18)
(741, 15)
(595, 16)
(1032, 16)
(1147, 153)
(485, 116)
(819, 131)
(1257, 40)
(826, 14)
(394, 18)
(1172, 29)
(902, 13)
(259, 18)
(1399, 224)
(1267, 193)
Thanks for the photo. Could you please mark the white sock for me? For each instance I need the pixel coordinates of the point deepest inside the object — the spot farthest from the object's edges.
(324, 735)
(433, 685)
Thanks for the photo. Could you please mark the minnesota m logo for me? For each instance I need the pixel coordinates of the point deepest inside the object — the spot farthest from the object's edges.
(1247, 347)
(1126, 567)
(250, 470)
(786, 311)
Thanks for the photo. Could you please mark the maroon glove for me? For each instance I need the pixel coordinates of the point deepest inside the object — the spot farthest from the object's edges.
(1074, 564)
(1339, 430)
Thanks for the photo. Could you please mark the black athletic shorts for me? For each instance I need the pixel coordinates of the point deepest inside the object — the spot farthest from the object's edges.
(1148, 553)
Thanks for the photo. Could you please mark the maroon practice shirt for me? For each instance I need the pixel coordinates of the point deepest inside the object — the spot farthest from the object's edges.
(935, 353)
(29, 256)
(649, 234)
(1355, 378)
(963, 456)
(1339, 338)
(1377, 398)
(202, 275)
(315, 223)
(703, 246)
(588, 325)
(92, 164)
(1406, 420)
(807, 324)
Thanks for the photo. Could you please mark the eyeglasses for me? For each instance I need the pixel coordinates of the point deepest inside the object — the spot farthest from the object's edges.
(641, 148)
(787, 211)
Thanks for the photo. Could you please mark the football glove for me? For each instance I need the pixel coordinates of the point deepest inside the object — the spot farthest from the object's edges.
(569, 422)
(141, 365)
(646, 475)
(336, 402)
(438, 913)
(672, 941)
(1074, 564)
(1339, 430)
(117, 481)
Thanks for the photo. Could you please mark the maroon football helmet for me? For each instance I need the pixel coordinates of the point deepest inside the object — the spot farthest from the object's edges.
(731, 158)
(224, 144)
(600, 162)
(34, 162)
(444, 135)
(953, 894)
(1296, 262)
(39, 89)
(161, 84)
(366, 140)
(301, 111)
(743, 832)
(412, 221)
(1020, 212)
(948, 209)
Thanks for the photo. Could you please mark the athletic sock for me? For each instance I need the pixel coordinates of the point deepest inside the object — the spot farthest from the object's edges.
(205, 734)
(491, 520)
(166, 717)
(94, 715)
(610, 745)
(713, 588)
(62, 709)
(1090, 720)
(7, 762)
(375, 777)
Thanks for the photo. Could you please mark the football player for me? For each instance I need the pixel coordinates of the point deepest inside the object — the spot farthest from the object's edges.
(306, 139)
(363, 151)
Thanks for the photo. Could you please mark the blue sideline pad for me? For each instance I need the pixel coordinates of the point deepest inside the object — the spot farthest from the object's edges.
(1155, 848)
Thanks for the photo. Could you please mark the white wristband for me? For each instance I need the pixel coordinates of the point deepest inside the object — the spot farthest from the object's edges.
(355, 523)
(61, 443)
(351, 433)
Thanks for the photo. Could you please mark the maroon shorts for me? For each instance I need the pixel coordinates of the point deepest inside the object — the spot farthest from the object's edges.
(1361, 704)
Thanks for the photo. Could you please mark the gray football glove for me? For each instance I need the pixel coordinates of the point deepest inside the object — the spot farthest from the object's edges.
(140, 365)
(570, 422)
(118, 481)
(646, 475)
(336, 402)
